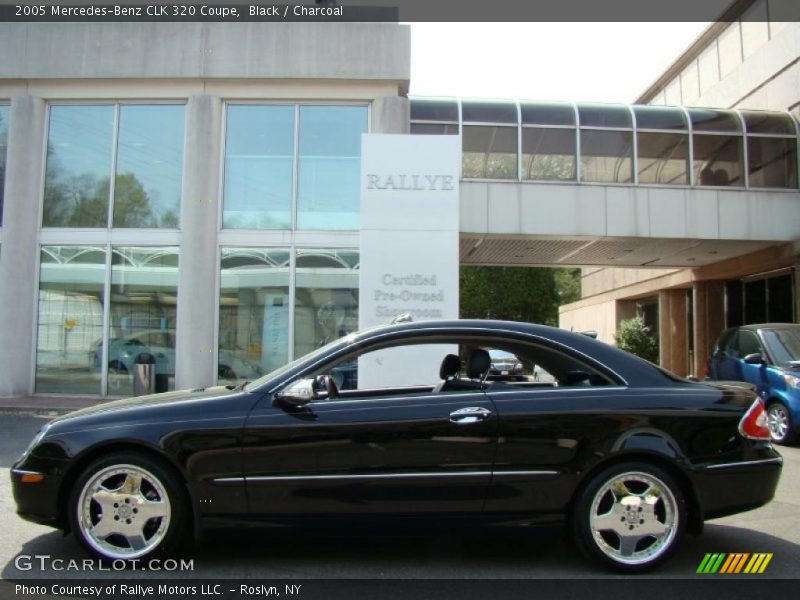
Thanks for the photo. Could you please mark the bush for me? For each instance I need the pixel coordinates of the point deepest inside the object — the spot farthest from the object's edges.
(634, 336)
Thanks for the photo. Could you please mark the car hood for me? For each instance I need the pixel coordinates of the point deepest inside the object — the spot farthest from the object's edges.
(153, 400)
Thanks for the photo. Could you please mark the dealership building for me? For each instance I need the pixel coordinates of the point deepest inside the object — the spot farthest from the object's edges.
(229, 197)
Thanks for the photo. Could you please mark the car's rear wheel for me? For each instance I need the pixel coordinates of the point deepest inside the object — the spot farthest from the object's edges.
(630, 517)
(127, 506)
(780, 423)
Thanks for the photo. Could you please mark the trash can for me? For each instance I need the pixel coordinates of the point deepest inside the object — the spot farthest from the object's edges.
(144, 374)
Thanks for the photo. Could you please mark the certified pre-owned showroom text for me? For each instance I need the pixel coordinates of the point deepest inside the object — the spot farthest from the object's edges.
(43, 562)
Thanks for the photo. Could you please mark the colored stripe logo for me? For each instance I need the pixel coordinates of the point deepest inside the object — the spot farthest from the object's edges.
(734, 563)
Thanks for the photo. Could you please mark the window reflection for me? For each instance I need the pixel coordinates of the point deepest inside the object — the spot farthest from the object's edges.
(253, 313)
(606, 156)
(144, 283)
(147, 185)
(329, 163)
(772, 162)
(489, 152)
(717, 160)
(259, 147)
(548, 154)
(326, 303)
(78, 166)
(4, 111)
(663, 158)
(70, 332)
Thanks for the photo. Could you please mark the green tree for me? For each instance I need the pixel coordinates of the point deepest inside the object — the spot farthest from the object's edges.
(131, 203)
(516, 293)
(635, 337)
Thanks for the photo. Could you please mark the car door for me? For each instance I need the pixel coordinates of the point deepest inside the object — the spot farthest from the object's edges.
(384, 451)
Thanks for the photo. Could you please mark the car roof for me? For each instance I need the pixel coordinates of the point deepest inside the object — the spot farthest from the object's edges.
(630, 368)
(758, 326)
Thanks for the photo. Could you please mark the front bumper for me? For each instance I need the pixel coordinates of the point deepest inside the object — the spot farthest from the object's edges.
(39, 502)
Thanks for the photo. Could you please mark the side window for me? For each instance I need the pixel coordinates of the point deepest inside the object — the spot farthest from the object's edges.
(400, 367)
(730, 345)
(748, 343)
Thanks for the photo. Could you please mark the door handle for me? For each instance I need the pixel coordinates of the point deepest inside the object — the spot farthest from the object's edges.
(469, 415)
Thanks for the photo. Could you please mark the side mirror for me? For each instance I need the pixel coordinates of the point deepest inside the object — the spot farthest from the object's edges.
(298, 393)
(755, 359)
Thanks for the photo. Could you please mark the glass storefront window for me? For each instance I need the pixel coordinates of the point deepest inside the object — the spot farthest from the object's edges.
(144, 300)
(147, 184)
(663, 158)
(259, 149)
(772, 162)
(717, 160)
(548, 154)
(69, 345)
(254, 313)
(606, 156)
(329, 164)
(326, 297)
(4, 111)
(77, 178)
(489, 152)
(149, 166)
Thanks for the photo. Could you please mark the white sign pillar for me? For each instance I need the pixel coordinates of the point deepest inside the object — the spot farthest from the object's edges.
(409, 243)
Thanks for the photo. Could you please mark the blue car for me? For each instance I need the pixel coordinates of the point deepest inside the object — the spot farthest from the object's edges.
(767, 356)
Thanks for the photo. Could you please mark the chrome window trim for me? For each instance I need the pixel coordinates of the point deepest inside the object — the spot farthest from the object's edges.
(368, 476)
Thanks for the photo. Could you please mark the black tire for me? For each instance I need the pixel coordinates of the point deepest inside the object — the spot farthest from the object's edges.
(599, 542)
(776, 410)
(159, 537)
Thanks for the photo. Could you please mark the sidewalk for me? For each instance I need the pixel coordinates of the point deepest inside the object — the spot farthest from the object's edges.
(49, 404)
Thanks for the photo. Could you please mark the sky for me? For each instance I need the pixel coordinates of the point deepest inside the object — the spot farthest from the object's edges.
(582, 62)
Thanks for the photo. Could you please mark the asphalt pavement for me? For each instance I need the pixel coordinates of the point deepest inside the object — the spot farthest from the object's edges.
(496, 553)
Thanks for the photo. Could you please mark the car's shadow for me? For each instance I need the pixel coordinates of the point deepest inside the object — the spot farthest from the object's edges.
(395, 553)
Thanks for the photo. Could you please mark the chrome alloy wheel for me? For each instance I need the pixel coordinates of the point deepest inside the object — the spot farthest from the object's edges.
(634, 518)
(778, 421)
(123, 511)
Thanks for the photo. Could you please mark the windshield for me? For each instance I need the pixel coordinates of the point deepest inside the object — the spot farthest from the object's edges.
(783, 345)
(289, 366)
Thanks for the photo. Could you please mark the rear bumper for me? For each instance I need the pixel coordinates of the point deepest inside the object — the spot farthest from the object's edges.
(729, 488)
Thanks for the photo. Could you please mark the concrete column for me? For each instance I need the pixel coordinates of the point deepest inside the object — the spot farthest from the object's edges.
(709, 320)
(18, 258)
(391, 114)
(672, 326)
(197, 298)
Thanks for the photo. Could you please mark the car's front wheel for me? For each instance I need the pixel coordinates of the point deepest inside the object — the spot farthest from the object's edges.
(127, 506)
(629, 517)
(780, 424)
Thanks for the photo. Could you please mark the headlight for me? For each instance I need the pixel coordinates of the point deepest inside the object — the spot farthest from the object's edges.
(34, 442)
(792, 381)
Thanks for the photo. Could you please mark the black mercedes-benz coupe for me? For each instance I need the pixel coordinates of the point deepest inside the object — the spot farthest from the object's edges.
(630, 456)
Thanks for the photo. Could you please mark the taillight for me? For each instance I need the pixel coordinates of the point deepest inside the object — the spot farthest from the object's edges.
(754, 422)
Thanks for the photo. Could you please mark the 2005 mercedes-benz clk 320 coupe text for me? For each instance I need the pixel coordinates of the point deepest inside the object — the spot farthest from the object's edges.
(629, 455)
